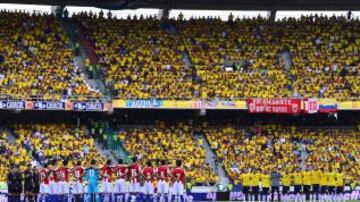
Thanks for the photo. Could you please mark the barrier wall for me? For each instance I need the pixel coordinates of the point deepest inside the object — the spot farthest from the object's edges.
(253, 105)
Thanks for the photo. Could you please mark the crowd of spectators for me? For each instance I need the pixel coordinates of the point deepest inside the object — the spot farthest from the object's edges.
(286, 148)
(141, 58)
(170, 142)
(38, 60)
(323, 56)
(323, 53)
(11, 154)
(57, 141)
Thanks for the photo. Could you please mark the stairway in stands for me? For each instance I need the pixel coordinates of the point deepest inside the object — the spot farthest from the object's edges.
(210, 159)
(85, 48)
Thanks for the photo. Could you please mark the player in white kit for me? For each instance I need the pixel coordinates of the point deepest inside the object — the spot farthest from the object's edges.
(120, 183)
(148, 174)
(78, 173)
(163, 184)
(53, 178)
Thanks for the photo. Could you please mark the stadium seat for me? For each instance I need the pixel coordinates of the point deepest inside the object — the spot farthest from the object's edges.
(39, 62)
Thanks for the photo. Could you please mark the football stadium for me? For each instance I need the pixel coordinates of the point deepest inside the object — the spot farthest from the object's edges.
(179, 100)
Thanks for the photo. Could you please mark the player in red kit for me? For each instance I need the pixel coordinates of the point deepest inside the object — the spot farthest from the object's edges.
(78, 173)
(134, 175)
(178, 175)
(163, 175)
(45, 181)
(53, 184)
(120, 184)
(63, 176)
(148, 174)
(106, 173)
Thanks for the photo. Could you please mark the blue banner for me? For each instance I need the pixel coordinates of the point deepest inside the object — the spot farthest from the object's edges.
(12, 104)
(49, 105)
(144, 103)
(88, 106)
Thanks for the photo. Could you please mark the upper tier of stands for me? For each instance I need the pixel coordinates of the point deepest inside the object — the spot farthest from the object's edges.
(324, 55)
(39, 62)
(142, 58)
(146, 58)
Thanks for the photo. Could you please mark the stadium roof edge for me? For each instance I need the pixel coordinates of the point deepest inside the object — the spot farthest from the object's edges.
(204, 4)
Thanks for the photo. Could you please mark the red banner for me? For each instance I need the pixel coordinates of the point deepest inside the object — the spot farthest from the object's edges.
(311, 106)
(279, 106)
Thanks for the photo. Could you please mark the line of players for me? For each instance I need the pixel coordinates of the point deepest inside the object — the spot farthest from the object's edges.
(56, 180)
(310, 184)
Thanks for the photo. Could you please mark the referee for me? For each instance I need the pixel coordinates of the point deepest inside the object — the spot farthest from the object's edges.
(14, 181)
(28, 184)
(36, 180)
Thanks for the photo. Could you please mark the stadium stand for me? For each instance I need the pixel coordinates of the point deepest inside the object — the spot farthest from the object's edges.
(39, 62)
(211, 42)
(57, 141)
(11, 153)
(324, 62)
(267, 147)
(144, 58)
(141, 58)
(169, 142)
(323, 54)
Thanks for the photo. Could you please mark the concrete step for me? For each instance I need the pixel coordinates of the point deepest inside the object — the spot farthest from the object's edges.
(210, 159)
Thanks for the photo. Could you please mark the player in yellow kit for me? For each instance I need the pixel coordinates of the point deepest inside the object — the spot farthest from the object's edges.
(323, 184)
(265, 184)
(307, 182)
(298, 180)
(316, 174)
(331, 183)
(285, 182)
(255, 182)
(340, 185)
(246, 183)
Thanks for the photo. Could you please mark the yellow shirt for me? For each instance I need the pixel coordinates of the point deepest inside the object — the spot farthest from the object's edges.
(316, 177)
(265, 180)
(324, 179)
(307, 178)
(332, 179)
(255, 179)
(286, 179)
(297, 178)
(339, 179)
(246, 179)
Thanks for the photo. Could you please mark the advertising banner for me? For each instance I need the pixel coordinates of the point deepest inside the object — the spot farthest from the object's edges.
(311, 106)
(12, 104)
(144, 103)
(349, 195)
(88, 106)
(349, 105)
(180, 104)
(45, 105)
(278, 106)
